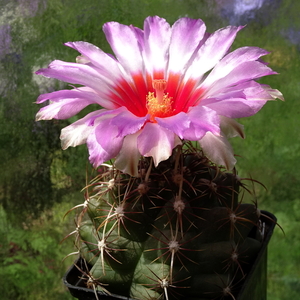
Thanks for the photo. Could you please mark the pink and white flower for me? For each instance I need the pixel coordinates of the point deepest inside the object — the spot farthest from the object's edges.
(164, 85)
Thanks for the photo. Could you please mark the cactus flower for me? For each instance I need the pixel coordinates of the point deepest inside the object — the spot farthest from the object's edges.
(164, 85)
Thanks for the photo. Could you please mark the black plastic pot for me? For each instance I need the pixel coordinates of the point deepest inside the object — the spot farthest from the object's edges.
(254, 286)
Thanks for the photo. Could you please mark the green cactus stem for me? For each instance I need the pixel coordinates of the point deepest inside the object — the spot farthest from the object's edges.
(178, 231)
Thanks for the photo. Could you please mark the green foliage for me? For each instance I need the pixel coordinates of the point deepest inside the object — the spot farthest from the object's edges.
(271, 150)
(31, 258)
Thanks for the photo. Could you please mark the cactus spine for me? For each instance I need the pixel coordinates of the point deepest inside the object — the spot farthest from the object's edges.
(178, 231)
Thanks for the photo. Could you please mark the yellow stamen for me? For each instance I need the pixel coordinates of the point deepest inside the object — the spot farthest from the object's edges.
(159, 105)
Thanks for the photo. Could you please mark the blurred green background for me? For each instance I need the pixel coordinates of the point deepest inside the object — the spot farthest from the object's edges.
(39, 182)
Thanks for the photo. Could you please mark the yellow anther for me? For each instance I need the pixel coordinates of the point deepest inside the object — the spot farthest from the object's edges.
(159, 105)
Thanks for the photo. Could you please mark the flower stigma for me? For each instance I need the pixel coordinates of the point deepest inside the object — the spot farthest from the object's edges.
(161, 105)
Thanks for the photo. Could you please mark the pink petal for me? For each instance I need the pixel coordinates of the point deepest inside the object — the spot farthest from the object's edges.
(231, 61)
(62, 110)
(78, 132)
(237, 108)
(232, 128)
(73, 73)
(177, 123)
(242, 100)
(209, 54)
(103, 142)
(67, 103)
(128, 123)
(218, 150)
(127, 44)
(85, 75)
(272, 92)
(108, 66)
(80, 92)
(128, 158)
(202, 120)
(105, 114)
(242, 73)
(212, 51)
(107, 135)
(157, 142)
(97, 155)
(157, 34)
(187, 35)
(124, 41)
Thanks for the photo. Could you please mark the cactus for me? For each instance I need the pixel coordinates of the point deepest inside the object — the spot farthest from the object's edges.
(164, 220)
(177, 230)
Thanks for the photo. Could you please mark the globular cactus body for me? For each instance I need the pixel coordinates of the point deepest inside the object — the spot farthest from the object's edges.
(178, 231)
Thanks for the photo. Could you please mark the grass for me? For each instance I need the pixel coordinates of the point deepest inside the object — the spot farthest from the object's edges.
(31, 255)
